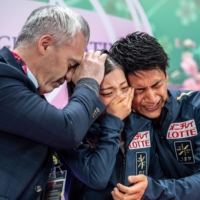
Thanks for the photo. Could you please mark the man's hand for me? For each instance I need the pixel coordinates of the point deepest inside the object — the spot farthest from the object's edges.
(134, 192)
(91, 66)
(120, 106)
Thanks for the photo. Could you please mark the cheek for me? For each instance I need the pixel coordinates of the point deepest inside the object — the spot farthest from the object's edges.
(105, 100)
(163, 93)
(136, 102)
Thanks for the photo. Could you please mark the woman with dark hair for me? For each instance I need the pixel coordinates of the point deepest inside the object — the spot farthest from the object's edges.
(97, 165)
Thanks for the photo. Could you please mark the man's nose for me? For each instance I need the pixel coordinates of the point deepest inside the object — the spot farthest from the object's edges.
(150, 96)
(69, 75)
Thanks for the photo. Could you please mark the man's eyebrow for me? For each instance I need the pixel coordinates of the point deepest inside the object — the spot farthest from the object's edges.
(143, 88)
(156, 83)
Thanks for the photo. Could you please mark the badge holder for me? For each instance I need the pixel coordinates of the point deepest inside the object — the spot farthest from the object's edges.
(55, 186)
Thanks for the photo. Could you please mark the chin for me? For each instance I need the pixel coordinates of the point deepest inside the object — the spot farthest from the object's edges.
(41, 92)
(47, 90)
(153, 115)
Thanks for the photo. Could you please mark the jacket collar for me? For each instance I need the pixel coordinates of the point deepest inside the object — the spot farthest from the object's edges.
(134, 123)
(6, 54)
(172, 105)
(15, 68)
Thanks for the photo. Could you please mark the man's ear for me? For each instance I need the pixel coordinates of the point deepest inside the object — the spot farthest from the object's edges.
(167, 78)
(44, 42)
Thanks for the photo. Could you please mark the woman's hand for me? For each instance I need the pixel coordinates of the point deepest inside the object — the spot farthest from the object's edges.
(120, 106)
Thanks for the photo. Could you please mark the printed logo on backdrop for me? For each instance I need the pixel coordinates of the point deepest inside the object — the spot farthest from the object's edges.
(141, 163)
(184, 152)
(141, 140)
(182, 130)
(8, 41)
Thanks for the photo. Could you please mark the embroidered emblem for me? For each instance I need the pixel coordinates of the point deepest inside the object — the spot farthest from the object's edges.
(141, 163)
(141, 140)
(182, 130)
(184, 152)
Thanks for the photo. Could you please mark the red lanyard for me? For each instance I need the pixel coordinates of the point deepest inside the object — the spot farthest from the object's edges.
(21, 62)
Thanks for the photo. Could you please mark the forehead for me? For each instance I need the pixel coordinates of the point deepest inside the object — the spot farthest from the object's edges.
(116, 76)
(75, 50)
(146, 78)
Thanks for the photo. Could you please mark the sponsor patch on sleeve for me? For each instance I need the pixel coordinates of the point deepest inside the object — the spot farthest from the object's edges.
(184, 152)
(141, 163)
(141, 140)
(182, 130)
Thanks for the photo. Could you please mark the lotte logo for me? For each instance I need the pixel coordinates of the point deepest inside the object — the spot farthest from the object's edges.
(141, 140)
(182, 130)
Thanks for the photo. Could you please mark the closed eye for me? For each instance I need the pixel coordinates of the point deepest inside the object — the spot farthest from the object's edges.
(106, 94)
(74, 66)
(125, 88)
(138, 90)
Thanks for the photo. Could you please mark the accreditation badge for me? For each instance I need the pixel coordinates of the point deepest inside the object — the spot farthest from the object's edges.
(141, 163)
(184, 152)
(55, 186)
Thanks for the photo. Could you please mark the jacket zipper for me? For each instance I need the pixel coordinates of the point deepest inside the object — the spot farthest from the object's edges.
(123, 169)
(167, 154)
(123, 166)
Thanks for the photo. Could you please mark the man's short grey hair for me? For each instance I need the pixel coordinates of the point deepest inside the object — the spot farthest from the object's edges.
(60, 22)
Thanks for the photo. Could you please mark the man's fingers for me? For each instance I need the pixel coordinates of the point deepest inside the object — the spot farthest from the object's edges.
(136, 179)
(116, 194)
(139, 182)
(96, 54)
(91, 66)
(122, 188)
(102, 57)
(127, 194)
(133, 192)
(89, 54)
(132, 179)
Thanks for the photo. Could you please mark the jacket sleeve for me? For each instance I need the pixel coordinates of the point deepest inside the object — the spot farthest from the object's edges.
(176, 189)
(25, 114)
(181, 189)
(93, 166)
